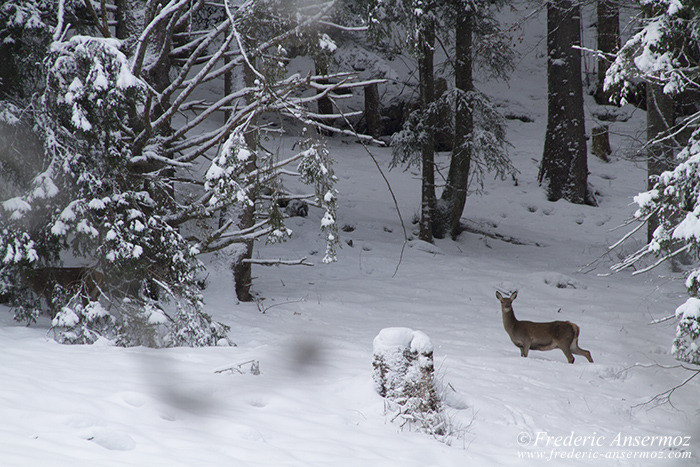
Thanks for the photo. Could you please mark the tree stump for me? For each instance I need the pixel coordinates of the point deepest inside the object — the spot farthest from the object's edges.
(600, 137)
(403, 370)
(372, 116)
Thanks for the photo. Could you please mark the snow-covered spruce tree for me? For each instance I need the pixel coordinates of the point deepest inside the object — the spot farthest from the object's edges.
(666, 53)
(478, 128)
(89, 202)
(121, 186)
(25, 33)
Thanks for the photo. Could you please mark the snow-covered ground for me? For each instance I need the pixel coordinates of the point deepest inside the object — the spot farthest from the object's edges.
(313, 402)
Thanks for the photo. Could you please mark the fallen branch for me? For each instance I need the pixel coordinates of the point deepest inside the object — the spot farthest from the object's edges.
(665, 397)
(254, 368)
(278, 262)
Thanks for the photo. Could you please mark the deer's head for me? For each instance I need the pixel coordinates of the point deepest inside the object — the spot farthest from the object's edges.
(506, 302)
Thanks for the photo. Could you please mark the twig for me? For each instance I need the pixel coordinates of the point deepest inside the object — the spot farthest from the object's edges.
(254, 368)
(665, 397)
(263, 309)
(388, 185)
(662, 320)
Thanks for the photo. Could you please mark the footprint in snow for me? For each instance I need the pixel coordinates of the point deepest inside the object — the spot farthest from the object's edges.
(134, 399)
(113, 440)
(257, 402)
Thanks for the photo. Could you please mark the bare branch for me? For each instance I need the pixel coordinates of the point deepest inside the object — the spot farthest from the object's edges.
(279, 262)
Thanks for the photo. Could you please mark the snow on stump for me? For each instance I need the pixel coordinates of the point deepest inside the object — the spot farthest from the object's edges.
(404, 376)
(686, 345)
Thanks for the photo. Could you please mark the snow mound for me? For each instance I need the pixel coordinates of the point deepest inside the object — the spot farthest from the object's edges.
(390, 339)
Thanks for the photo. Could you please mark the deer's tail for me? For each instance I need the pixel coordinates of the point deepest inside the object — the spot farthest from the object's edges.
(576, 330)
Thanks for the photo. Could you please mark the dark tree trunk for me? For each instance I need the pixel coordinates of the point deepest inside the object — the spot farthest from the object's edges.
(427, 96)
(228, 89)
(660, 118)
(129, 16)
(242, 270)
(454, 196)
(600, 142)
(608, 42)
(564, 168)
(325, 105)
(372, 116)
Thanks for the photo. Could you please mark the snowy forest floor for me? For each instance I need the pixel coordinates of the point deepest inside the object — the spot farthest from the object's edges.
(313, 402)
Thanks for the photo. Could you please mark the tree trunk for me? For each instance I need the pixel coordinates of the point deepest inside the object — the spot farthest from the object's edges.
(660, 118)
(242, 270)
(325, 105)
(454, 196)
(600, 142)
(372, 117)
(564, 168)
(129, 16)
(228, 89)
(427, 96)
(608, 42)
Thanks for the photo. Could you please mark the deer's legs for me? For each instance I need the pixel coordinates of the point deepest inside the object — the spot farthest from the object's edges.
(579, 351)
(524, 350)
(567, 352)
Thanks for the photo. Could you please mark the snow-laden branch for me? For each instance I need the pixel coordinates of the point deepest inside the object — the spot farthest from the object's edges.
(344, 28)
(663, 258)
(170, 8)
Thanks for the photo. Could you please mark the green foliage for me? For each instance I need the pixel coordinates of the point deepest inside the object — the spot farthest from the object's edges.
(487, 143)
(88, 200)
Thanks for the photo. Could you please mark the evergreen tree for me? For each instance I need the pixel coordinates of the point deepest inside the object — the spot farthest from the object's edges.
(118, 187)
(564, 167)
(479, 130)
(477, 127)
(608, 35)
(665, 53)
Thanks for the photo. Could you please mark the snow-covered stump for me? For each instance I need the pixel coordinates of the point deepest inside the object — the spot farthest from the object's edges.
(404, 376)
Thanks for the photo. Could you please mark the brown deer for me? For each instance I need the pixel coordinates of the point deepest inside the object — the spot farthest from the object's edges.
(83, 280)
(527, 335)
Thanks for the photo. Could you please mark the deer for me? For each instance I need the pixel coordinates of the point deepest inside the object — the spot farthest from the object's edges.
(528, 335)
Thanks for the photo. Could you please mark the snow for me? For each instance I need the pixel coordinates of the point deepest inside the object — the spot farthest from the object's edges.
(645, 198)
(327, 219)
(689, 310)
(391, 338)
(314, 403)
(66, 318)
(689, 228)
(327, 44)
(96, 204)
(16, 204)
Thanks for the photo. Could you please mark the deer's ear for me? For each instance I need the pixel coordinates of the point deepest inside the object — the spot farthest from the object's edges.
(514, 295)
(498, 295)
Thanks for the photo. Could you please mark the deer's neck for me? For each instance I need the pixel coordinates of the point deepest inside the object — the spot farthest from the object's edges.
(509, 320)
